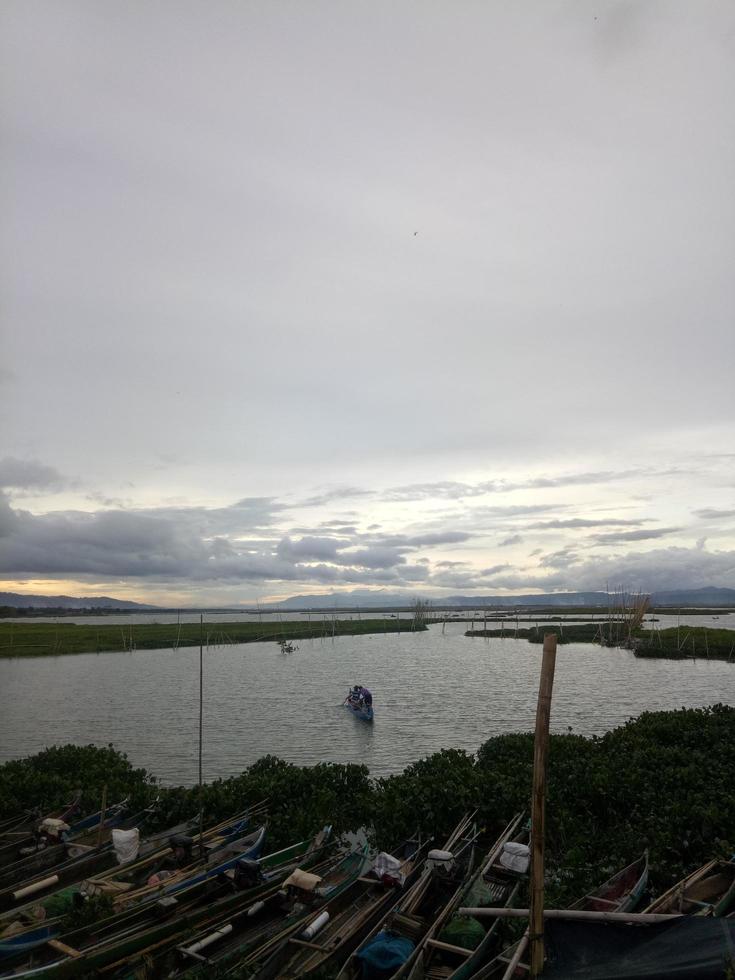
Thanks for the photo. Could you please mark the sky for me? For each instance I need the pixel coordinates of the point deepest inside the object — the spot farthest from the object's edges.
(430, 297)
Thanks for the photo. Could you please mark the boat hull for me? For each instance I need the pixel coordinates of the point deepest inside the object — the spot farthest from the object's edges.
(363, 713)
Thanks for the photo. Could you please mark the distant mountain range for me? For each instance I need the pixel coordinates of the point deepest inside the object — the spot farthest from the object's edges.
(368, 599)
(19, 601)
(363, 598)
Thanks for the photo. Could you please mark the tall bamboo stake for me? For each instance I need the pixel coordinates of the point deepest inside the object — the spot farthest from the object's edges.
(538, 803)
(201, 716)
(103, 813)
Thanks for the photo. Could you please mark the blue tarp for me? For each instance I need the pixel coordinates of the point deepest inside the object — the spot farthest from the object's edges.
(382, 956)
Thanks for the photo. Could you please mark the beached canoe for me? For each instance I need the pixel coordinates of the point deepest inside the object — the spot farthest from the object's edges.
(708, 891)
(391, 947)
(456, 945)
(621, 893)
(330, 936)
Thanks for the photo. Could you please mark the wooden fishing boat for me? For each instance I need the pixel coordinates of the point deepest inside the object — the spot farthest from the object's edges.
(409, 920)
(172, 849)
(52, 868)
(362, 711)
(155, 923)
(244, 935)
(708, 891)
(24, 834)
(244, 848)
(329, 937)
(621, 893)
(81, 839)
(456, 945)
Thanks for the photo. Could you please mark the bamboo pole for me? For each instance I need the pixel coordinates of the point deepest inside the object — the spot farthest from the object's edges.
(103, 811)
(201, 717)
(644, 918)
(538, 803)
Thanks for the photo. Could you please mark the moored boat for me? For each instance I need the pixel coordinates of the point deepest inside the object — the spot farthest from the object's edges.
(154, 925)
(457, 944)
(391, 947)
(709, 890)
(621, 893)
(330, 936)
(244, 935)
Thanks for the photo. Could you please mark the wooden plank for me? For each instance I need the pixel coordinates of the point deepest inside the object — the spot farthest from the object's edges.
(63, 948)
(449, 947)
(304, 942)
(579, 914)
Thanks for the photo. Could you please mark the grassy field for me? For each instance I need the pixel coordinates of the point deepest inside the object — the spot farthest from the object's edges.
(54, 639)
(674, 643)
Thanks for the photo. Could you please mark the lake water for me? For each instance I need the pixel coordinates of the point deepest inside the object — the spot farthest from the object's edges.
(432, 690)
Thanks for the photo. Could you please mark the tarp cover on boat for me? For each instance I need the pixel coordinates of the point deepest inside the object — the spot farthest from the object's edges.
(515, 857)
(385, 865)
(682, 949)
(383, 955)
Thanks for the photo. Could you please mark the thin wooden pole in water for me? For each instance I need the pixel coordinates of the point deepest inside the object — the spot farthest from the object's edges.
(201, 716)
(538, 803)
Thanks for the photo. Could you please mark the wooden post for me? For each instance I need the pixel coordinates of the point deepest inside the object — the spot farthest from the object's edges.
(538, 801)
(201, 721)
(103, 811)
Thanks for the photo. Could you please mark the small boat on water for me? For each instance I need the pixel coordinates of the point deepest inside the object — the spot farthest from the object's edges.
(708, 891)
(360, 702)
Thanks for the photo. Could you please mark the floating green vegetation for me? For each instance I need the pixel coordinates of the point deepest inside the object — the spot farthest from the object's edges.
(677, 643)
(686, 642)
(54, 639)
(589, 633)
(662, 781)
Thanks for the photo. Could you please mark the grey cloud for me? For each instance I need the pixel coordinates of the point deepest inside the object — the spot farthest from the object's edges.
(377, 556)
(713, 514)
(309, 549)
(456, 491)
(430, 538)
(513, 539)
(29, 474)
(336, 493)
(560, 559)
(494, 570)
(620, 537)
(580, 522)
(658, 569)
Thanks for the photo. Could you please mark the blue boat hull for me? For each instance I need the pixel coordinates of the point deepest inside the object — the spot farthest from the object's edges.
(363, 713)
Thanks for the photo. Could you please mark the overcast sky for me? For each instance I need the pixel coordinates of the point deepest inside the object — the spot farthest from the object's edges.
(305, 297)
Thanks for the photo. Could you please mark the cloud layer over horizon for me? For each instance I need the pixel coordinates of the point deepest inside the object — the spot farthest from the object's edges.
(309, 296)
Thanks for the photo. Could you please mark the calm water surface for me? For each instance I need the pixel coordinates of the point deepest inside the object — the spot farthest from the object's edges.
(432, 690)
